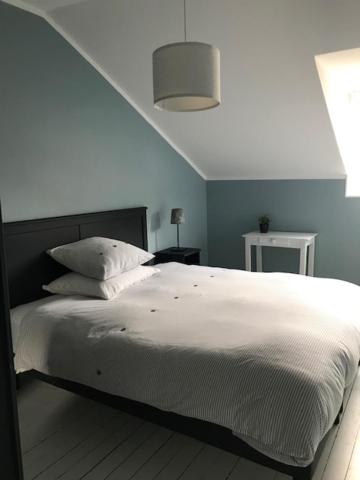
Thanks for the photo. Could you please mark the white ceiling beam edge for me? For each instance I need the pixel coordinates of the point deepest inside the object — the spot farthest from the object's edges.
(122, 92)
(47, 16)
(277, 177)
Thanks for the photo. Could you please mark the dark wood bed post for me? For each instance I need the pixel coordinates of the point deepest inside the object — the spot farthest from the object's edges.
(11, 463)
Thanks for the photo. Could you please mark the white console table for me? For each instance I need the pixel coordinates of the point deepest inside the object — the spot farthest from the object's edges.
(305, 242)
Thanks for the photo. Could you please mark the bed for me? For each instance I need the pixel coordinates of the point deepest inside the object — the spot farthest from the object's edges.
(193, 347)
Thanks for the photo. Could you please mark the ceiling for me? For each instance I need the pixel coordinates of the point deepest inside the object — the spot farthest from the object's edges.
(272, 122)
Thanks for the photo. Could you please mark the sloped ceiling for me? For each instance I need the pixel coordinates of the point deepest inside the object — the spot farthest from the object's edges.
(273, 122)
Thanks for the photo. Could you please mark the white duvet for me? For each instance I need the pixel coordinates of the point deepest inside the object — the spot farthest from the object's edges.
(266, 355)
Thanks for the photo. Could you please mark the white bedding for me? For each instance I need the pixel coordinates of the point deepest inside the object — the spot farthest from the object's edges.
(265, 355)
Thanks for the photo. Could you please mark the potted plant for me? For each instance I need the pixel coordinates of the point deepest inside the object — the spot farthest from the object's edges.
(264, 222)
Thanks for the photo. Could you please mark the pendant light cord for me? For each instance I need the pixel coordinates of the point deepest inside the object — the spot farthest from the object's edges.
(185, 20)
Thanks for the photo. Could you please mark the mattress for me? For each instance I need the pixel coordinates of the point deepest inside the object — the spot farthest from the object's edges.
(267, 355)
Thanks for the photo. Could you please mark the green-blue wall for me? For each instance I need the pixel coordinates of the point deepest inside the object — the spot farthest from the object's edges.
(69, 143)
(293, 205)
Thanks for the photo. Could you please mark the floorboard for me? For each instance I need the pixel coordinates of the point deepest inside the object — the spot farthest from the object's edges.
(161, 458)
(85, 448)
(71, 438)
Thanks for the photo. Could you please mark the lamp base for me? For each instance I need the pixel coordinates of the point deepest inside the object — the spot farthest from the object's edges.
(177, 249)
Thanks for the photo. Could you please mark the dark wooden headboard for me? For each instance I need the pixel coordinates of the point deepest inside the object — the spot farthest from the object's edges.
(26, 242)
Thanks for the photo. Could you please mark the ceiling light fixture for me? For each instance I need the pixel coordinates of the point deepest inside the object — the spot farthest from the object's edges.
(186, 75)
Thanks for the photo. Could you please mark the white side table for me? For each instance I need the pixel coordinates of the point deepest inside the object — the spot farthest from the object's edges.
(305, 242)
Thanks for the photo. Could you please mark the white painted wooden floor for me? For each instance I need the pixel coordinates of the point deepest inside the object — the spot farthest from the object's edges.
(70, 438)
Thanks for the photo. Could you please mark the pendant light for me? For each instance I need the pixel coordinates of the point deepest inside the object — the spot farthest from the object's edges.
(186, 75)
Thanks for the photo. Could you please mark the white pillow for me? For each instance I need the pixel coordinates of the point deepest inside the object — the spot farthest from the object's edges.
(76, 284)
(99, 257)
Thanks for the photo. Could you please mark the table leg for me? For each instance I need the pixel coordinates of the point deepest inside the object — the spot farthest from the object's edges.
(311, 259)
(247, 255)
(302, 266)
(258, 258)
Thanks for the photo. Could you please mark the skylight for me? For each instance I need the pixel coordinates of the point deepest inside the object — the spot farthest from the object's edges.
(340, 79)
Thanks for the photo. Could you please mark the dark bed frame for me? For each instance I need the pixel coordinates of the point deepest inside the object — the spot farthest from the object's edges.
(29, 267)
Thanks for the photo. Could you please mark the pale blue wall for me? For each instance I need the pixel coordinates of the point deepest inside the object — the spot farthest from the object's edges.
(294, 205)
(69, 143)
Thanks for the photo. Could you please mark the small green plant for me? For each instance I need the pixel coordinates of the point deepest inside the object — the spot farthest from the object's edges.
(264, 220)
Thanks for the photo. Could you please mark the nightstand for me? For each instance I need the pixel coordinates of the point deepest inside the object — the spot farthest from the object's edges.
(190, 256)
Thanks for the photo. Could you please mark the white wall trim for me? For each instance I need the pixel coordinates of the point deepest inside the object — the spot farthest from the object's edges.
(117, 87)
(93, 63)
(286, 178)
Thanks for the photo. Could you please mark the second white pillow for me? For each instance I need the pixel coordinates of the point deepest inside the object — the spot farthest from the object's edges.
(77, 284)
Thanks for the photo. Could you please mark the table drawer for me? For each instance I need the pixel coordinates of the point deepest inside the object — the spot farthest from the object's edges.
(269, 241)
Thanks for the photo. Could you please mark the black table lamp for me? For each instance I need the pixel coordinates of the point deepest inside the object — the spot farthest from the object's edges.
(177, 217)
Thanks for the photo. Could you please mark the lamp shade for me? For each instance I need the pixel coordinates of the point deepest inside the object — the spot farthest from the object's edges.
(186, 77)
(177, 216)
